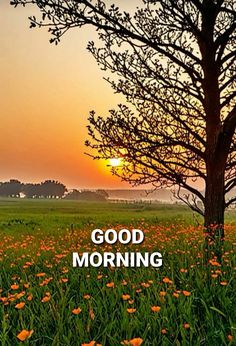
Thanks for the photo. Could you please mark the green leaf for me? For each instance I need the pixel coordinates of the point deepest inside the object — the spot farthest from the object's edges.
(217, 310)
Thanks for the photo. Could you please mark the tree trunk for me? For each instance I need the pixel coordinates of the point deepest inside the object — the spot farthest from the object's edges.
(214, 212)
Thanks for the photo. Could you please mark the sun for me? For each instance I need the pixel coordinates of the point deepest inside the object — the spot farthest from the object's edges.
(115, 162)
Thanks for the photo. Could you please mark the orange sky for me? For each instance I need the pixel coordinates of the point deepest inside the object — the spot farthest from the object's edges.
(46, 93)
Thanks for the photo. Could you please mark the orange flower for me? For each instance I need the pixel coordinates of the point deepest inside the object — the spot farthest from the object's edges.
(186, 293)
(20, 306)
(131, 310)
(63, 280)
(145, 285)
(19, 295)
(155, 308)
(91, 343)
(136, 341)
(133, 342)
(30, 297)
(224, 283)
(186, 326)
(87, 296)
(110, 285)
(182, 270)
(39, 275)
(76, 311)
(214, 263)
(91, 314)
(14, 287)
(167, 280)
(24, 334)
(45, 299)
(162, 293)
(59, 256)
(230, 337)
(163, 331)
(125, 296)
(176, 295)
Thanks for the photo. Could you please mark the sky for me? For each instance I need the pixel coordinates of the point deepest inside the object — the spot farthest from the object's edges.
(46, 93)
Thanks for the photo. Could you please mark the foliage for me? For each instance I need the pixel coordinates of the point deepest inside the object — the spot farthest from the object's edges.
(86, 195)
(46, 189)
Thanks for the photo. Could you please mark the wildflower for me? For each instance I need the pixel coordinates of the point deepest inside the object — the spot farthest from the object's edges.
(110, 285)
(87, 296)
(14, 287)
(125, 296)
(167, 280)
(230, 337)
(145, 285)
(182, 270)
(20, 306)
(136, 341)
(131, 310)
(76, 311)
(186, 293)
(24, 334)
(163, 331)
(224, 283)
(91, 343)
(20, 295)
(155, 308)
(46, 298)
(214, 263)
(162, 293)
(39, 275)
(186, 326)
(91, 314)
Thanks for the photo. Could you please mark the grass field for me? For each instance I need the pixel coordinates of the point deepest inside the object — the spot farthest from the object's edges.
(44, 301)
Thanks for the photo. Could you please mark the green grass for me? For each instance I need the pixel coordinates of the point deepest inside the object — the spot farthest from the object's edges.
(39, 233)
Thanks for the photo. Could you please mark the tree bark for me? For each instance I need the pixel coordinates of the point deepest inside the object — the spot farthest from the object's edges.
(215, 203)
(214, 212)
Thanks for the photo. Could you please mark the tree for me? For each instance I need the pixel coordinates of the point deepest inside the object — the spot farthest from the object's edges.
(46, 189)
(10, 188)
(175, 64)
(31, 190)
(102, 193)
(86, 196)
(52, 189)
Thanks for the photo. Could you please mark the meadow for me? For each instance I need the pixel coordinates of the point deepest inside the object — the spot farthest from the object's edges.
(44, 301)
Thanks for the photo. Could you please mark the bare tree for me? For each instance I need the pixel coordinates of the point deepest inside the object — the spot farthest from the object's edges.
(174, 60)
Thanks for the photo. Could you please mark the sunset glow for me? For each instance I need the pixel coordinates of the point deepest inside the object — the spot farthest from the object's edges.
(44, 110)
(115, 162)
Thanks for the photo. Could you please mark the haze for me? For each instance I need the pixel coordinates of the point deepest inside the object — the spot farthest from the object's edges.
(46, 95)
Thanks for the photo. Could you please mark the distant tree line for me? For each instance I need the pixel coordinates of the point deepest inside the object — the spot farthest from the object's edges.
(99, 195)
(47, 189)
